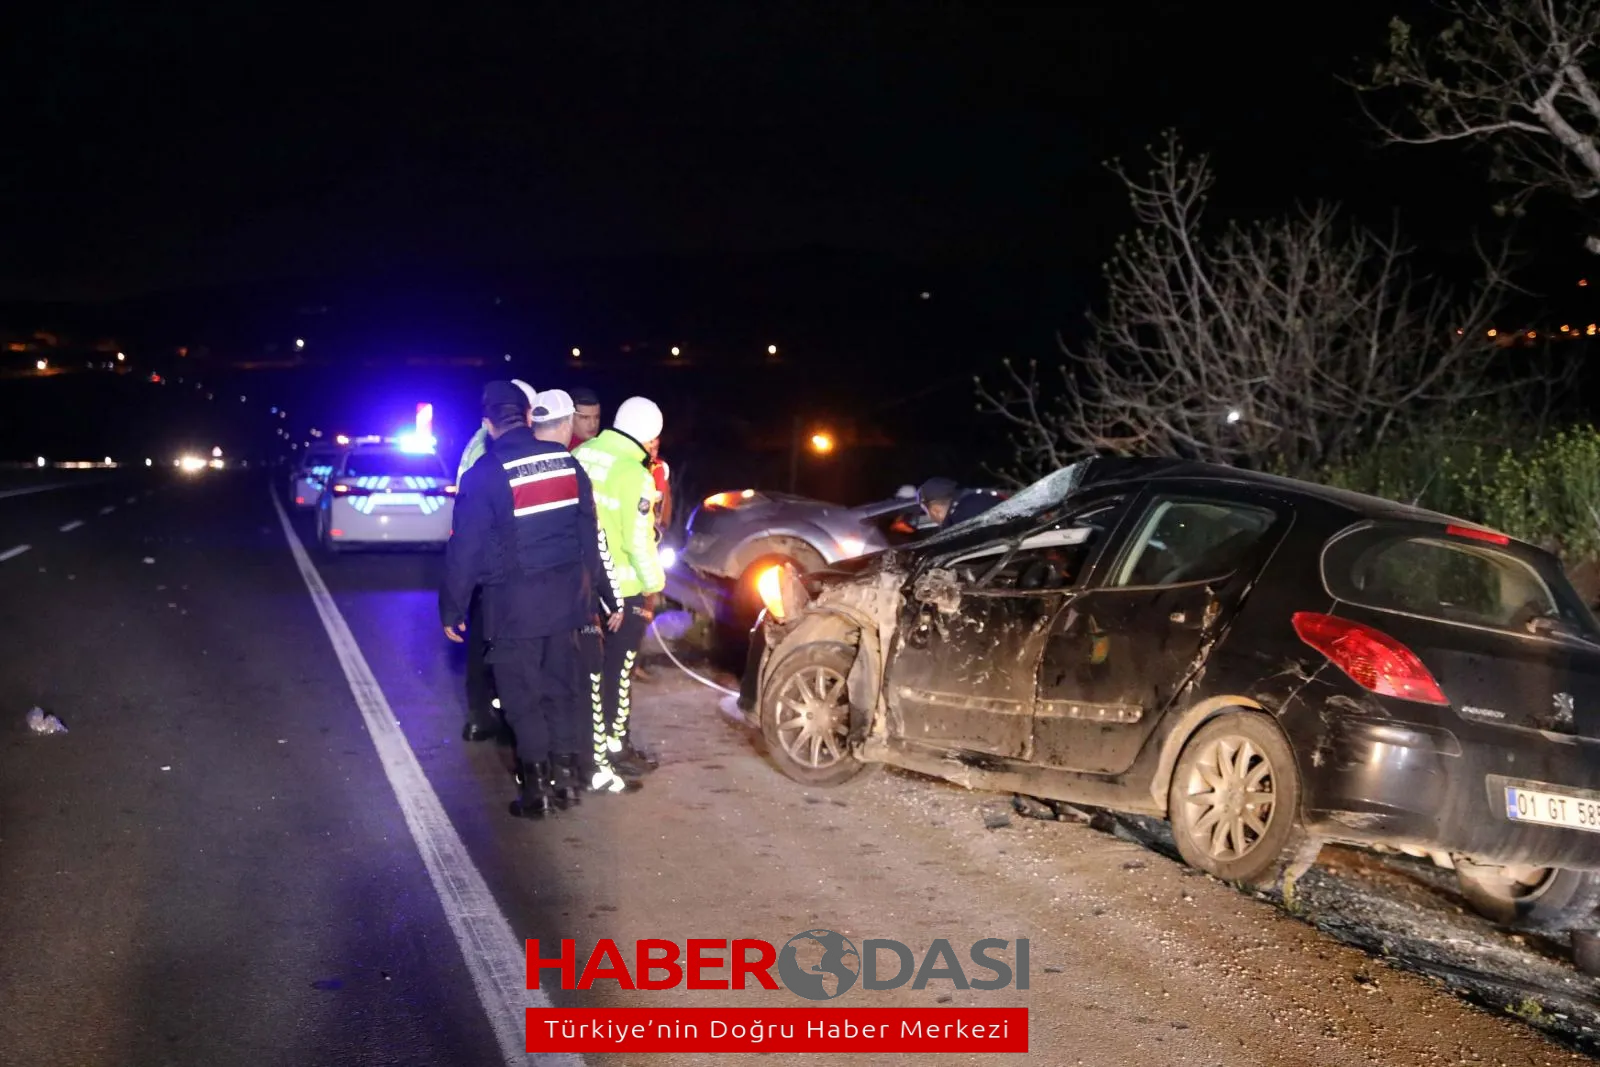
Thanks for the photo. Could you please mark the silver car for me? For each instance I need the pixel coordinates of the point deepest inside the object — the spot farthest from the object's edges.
(311, 474)
(733, 537)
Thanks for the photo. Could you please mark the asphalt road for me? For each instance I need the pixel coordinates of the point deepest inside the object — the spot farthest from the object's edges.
(261, 841)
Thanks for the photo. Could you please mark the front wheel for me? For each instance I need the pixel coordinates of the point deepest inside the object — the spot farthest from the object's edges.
(805, 715)
(1541, 897)
(1235, 799)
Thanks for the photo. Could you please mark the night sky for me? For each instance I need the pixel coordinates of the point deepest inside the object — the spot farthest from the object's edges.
(149, 150)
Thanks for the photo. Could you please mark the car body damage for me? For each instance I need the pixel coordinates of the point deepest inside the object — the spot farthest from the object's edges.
(1261, 661)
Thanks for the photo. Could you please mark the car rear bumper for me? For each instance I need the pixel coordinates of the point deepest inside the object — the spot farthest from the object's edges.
(306, 493)
(388, 525)
(1438, 789)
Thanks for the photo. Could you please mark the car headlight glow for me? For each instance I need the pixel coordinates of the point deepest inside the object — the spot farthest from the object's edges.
(668, 557)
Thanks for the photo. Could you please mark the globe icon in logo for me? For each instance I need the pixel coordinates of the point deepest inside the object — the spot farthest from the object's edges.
(819, 964)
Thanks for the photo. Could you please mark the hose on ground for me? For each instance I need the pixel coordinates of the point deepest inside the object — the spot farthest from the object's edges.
(708, 683)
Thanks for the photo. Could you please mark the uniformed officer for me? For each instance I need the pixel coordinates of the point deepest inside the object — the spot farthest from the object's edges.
(526, 531)
(618, 460)
(482, 723)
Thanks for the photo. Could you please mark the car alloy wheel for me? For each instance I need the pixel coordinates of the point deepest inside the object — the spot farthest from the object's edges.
(1230, 794)
(813, 716)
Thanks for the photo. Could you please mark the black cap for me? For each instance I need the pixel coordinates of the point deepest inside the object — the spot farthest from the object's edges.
(938, 489)
(496, 394)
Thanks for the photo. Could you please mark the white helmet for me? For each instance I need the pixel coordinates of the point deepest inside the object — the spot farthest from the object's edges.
(527, 391)
(639, 418)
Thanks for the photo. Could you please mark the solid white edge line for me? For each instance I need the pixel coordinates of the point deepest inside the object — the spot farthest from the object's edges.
(495, 956)
(13, 553)
(73, 525)
(31, 489)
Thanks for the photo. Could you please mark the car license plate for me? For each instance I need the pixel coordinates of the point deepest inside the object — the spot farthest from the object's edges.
(1552, 809)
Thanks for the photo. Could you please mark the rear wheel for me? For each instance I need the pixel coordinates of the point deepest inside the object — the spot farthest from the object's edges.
(805, 715)
(1234, 801)
(1545, 897)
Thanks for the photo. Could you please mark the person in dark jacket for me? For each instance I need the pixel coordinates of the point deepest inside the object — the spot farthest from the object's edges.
(527, 533)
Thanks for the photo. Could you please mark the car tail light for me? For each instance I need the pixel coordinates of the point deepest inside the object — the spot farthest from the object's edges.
(728, 501)
(350, 490)
(299, 500)
(449, 490)
(1373, 659)
(1478, 535)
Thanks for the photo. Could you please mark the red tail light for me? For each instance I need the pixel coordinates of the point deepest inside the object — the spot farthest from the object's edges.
(1478, 535)
(342, 489)
(1372, 658)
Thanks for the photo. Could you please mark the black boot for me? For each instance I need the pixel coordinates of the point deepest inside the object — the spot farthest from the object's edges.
(570, 776)
(536, 797)
(633, 762)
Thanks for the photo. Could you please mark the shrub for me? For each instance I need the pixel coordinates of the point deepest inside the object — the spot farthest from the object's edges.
(1545, 490)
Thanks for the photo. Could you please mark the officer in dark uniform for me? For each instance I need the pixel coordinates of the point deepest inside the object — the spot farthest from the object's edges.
(526, 531)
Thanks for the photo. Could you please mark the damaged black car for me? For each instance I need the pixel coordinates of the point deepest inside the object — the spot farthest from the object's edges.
(1267, 664)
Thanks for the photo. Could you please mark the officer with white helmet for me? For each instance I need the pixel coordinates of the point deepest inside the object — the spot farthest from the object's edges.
(618, 463)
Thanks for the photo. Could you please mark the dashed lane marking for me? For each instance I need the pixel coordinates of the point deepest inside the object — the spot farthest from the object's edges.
(108, 509)
(495, 957)
(13, 553)
(73, 525)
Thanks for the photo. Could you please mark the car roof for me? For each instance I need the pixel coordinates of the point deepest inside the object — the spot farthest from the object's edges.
(1111, 470)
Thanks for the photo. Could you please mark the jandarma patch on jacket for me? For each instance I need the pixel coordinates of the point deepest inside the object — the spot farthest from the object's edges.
(644, 506)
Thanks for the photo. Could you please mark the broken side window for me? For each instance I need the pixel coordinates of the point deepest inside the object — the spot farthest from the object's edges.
(1191, 540)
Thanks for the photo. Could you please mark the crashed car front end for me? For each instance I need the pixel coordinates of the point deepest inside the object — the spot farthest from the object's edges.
(858, 609)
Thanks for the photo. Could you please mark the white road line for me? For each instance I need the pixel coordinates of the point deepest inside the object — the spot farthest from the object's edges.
(495, 956)
(13, 553)
(73, 525)
(131, 500)
(29, 490)
(108, 509)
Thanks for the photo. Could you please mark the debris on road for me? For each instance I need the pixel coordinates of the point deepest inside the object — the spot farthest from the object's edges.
(996, 820)
(41, 722)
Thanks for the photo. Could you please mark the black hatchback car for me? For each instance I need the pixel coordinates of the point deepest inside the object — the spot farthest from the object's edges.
(1266, 663)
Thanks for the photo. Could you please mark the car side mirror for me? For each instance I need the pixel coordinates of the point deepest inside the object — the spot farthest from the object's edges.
(940, 589)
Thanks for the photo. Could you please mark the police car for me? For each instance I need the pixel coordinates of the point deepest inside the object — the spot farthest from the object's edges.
(386, 492)
(311, 474)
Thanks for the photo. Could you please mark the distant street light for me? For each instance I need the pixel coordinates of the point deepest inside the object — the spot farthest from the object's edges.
(772, 350)
(821, 443)
(676, 351)
(40, 461)
(216, 453)
(121, 357)
(576, 353)
(41, 365)
(299, 343)
(1234, 416)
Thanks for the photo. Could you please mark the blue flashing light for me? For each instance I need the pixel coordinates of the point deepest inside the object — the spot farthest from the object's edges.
(417, 443)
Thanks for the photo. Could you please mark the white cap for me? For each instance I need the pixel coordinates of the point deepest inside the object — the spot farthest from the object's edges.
(551, 405)
(527, 391)
(639, 418)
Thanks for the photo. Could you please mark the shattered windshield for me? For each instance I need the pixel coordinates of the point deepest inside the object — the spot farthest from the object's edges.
(1043, 494)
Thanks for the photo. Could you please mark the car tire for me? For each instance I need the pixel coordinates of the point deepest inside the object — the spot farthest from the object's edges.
(1221, 830)
(809, 681)
(329, 545)
(1557, 900)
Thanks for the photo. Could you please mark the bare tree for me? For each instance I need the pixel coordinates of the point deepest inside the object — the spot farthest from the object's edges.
(1511, 75)
(1283, 345)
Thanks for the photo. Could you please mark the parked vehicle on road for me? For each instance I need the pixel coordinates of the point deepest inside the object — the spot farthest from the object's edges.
(1268, 664)
(310, 473)
(380, 494)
